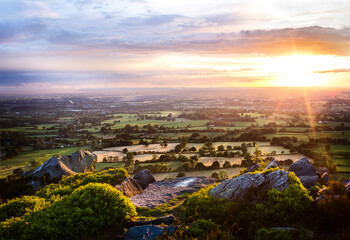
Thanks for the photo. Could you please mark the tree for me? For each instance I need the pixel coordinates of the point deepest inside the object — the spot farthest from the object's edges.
(227, 164)
(221, 148)
(125, 150)
(215, 165)
(244, 148)
(215, 175)
(223, 175)
(193, 149)
(200, 166)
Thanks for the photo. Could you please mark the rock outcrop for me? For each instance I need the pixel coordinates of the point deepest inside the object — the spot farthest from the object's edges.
(324, 175)
(129, 187)
(309, 181)
(64, 165)
(148, 232)
(303, 167)
(144, 178)
(162, 191)
(253, 167)
(307, 174)
(272, 164)
(241, 187)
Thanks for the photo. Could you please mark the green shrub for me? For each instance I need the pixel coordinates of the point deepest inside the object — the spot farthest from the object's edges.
(200, 205)
(201, 227)
(335, 188)
(88, 209)
(283, 234)
(272, 234)
(12, 228)
(333, 215)
(314, 190)
(67, 185)
(21, 206)
(286, 206)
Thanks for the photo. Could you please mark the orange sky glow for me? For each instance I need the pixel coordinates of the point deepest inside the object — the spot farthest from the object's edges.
(69, 45)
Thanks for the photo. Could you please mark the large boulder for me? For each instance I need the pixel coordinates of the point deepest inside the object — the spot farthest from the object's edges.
(309, 181)
(148, 232)
(163, 191)
(303, 167)
(241, 187)
(56, 167)
(324, 175)
(129, 187)
(277, 179)
(144, 178)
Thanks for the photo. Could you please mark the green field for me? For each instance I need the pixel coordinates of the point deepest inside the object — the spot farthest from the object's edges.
(101, 166)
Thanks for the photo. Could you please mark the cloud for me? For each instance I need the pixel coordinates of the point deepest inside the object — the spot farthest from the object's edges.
(286, 41)
(340, 70)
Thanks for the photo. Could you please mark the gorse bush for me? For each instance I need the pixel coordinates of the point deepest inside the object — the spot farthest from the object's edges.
(84, 212)
(286, 206)
(67, 185)
(199, 227)
(200, 205)
(21, 206)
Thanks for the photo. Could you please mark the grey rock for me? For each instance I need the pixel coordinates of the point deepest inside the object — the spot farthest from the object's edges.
(277, 179)
(347, 185)
(239, 188)
(163, 191)
(129, 187)
(303, 167)
(64, 165)
(167, 220)
(148, 232)
(253, 167)
(324, 175)
(144, 178)
(272, 164)
(309, 181)
(236, 188)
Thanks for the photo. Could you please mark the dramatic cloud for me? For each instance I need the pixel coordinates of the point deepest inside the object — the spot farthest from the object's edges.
(164, 43)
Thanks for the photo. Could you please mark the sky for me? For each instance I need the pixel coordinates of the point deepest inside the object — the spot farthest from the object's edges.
(62, 46)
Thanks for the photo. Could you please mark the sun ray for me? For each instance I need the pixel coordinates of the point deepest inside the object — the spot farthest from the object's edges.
(309, 113)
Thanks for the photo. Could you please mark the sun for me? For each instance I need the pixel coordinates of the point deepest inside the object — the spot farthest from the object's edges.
(298, 71)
